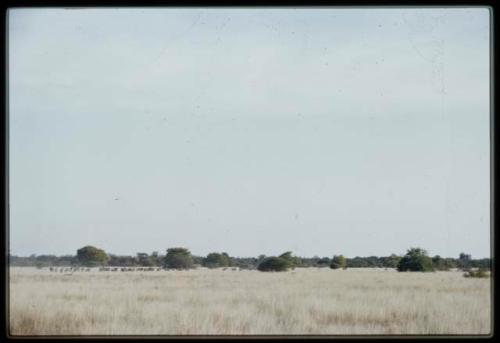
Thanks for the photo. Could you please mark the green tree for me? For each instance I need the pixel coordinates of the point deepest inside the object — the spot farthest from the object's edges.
(415, 260)
(90, 256)
(392, 261)
(292, 261)
(144, 260)
(338, 261)
(178, 258)
(274, 264)
(440, 263)
(216, 260)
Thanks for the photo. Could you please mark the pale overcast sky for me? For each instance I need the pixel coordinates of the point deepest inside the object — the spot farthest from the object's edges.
(250, 130)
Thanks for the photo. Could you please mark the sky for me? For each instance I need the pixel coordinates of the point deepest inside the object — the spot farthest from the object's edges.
(249, 130)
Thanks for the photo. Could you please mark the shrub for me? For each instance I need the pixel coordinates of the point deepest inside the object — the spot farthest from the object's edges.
(440, 263)
(178, 258)
(338, 261)
(274, 264)
(145, 260)
(480, 273)
(216, 260)
(416, 260)
(391, 261)
(293, 261)
(90, 256)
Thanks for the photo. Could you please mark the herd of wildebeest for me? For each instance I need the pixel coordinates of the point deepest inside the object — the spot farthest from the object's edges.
(116, 269)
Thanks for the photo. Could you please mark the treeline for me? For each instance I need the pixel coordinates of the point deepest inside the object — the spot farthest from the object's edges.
(181, 258)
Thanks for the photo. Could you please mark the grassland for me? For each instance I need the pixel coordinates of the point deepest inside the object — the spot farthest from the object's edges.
(206, 302)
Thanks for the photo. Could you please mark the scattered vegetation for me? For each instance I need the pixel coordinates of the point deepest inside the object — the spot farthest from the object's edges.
(216, 260)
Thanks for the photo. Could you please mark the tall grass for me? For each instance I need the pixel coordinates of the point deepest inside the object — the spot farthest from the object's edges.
(204, 302)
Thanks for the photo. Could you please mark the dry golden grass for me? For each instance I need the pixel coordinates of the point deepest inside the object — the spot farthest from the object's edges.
(205, 302)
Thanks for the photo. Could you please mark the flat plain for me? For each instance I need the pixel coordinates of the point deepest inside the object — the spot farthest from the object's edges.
(304, 301)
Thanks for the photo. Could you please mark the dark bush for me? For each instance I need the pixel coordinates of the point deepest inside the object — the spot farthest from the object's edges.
(480, 273)
(293, 261)
(442, 264)
(274, 264)
(338, 261)
(90, 256)
(178, 258)
(416, 260)
(390, 261)
(216, 260)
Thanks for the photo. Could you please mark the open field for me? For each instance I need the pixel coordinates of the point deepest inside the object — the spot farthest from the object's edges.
(304, 301)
